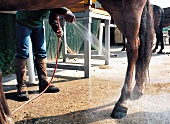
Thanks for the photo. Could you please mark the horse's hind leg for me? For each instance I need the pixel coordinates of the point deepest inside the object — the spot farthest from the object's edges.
(145, 52)
(127, 15)
(124, 44)
(159, 39)
(121, 106)
(131, 33)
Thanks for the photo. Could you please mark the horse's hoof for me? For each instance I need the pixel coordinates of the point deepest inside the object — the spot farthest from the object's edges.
(160, 52)
(119, 112)
(123, 49)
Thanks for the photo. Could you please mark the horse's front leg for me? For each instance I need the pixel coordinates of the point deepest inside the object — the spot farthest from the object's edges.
(121, 106)
(5, 116)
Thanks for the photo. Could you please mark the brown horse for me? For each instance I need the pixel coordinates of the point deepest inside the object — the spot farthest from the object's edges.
(134, 20)
(166, 20)
(159, 24)
(158, 15)
(161, 17)
(161, 20)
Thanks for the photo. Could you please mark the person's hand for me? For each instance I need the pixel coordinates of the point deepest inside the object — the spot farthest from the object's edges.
(69, 16)
(59, 33)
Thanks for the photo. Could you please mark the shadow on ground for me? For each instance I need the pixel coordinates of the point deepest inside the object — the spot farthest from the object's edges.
(100, 114)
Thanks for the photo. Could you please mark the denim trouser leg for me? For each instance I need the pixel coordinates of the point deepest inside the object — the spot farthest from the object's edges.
(38, 43)
(24, 34)
(23, 37)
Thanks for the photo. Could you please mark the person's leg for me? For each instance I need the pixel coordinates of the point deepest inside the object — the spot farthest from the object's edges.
(23, 37)
(39, 49)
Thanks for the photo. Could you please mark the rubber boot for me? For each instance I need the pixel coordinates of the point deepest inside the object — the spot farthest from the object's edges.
(20, 71)
(40, 64)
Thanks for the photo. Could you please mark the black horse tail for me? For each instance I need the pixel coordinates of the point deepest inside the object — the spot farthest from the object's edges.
(146, 42)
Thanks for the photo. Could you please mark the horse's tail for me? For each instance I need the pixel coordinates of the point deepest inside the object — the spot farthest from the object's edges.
(146, 41)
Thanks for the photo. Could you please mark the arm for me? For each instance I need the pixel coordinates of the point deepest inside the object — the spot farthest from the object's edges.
(63, 11)
(53, 22)
(68, 16)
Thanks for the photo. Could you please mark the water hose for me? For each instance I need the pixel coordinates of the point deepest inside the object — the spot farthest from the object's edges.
(55, 67)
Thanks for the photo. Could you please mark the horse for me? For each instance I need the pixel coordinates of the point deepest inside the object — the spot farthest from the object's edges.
(134, 20)
(161, 20)
(158, 17)
(158, 27)
(166, 21)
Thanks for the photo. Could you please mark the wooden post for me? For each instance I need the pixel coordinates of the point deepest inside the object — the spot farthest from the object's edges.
(30, 65)
(87, 48)
(107, 42)
(64, 40)
(100, 39)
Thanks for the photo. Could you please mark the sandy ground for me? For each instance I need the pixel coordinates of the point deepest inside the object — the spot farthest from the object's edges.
(91, 101)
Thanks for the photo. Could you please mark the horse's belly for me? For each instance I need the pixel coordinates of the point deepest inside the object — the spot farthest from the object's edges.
(13, 5)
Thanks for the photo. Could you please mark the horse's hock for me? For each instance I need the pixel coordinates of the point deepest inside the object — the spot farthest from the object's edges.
(86, 11)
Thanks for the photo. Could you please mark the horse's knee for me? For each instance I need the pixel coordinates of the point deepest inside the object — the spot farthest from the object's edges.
(132, 47)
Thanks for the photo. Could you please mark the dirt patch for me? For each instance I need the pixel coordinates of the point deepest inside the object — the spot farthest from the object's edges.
(104, 67)
(157, 88)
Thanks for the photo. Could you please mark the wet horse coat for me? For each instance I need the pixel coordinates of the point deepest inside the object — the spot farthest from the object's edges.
(158, 17)
(134, 20)
(138, 29)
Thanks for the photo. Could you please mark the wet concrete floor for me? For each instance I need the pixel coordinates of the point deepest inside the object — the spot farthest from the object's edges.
(91, 101)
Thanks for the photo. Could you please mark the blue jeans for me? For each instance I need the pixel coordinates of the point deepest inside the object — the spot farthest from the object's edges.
(23, 35)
